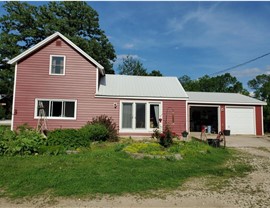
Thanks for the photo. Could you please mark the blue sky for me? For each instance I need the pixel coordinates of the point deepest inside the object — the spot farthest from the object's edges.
(189, 38)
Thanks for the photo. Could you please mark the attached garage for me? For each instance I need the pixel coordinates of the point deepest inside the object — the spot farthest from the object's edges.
(235, 112)
(240, 120)
(203, 116)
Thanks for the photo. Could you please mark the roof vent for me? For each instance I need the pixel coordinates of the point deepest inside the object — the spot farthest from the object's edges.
(58, 43)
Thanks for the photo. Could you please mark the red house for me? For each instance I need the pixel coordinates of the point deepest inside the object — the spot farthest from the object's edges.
(73, 88)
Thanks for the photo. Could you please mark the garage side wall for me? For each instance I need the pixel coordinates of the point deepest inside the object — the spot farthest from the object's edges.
(259, 120)
(222, 117)
(174, 114)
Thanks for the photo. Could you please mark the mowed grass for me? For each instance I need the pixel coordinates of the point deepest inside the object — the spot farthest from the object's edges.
(103, 170)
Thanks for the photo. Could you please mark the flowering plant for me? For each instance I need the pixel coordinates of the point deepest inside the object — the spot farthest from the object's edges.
(165, 138)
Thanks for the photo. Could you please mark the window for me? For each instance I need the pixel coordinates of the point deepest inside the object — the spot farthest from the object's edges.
(127, 115)
(154, 116)
(55, 108)
(140, 116)
(57, 65)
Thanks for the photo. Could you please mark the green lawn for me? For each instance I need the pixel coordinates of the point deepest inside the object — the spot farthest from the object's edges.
(103, 170)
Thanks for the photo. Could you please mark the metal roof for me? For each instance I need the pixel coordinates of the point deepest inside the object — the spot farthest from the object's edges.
(222, 98)
(152, 87)
(48, 39)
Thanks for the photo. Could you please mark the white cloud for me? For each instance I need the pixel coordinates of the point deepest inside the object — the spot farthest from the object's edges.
(250, 72)
(217, 27)
(128, 46)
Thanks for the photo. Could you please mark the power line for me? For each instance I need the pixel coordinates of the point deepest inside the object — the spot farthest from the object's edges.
(233, 67)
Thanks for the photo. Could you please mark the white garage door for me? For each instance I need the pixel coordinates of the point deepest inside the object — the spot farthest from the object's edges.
(240, 120)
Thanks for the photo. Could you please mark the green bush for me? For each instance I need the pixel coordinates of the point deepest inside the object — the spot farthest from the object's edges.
(2, 112)
(69, 138)
(165, 139)
(95, 132)
(109, 124)
(145, 148)
(24, 143)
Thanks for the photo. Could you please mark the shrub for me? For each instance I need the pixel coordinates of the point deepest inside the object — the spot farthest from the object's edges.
(95, 132)
(24, 127)
(24, 143)
(109, 124)
(69, 138)
(2, 112)
(146, 148)
(166, 138)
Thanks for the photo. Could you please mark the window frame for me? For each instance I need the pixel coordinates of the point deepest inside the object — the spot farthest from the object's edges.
(56, 117)
(64, 65)
(147, 128)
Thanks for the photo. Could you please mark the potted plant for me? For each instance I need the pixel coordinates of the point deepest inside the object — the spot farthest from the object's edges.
(184, 134)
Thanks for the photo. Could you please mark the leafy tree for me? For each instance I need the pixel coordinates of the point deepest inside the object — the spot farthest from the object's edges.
(25, 25)
(155, 73)
(222, 83)
(132, 66)
(261, 87)
(188, 83)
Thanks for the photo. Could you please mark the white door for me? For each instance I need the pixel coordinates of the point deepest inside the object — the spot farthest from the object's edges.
(240, 120)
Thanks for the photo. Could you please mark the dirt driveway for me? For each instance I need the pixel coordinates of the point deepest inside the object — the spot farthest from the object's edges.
(250, 191)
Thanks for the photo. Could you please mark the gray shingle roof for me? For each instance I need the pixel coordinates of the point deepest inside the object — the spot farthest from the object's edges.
(141, 87)
(222, 98)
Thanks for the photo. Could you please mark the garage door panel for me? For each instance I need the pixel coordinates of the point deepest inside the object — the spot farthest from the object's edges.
(240, 120)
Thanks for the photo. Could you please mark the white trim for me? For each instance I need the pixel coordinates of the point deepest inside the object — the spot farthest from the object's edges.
(46, 40)
(97, 80)
(14, 96)
(64, 67)
(227, 103)
(139, 98)
(219, 118)
(261, 121)
(147, 128)
(187, 117)
(59, 100)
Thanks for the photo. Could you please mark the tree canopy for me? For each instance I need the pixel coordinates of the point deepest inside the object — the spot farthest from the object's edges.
(261, 87)
(222, 83)
(132, 66)
(25, 25)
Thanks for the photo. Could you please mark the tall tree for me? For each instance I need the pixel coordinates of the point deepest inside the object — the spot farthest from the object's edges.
(132, 66)
(155, 73)
(261, 87)
(222, 83)
(25, 25)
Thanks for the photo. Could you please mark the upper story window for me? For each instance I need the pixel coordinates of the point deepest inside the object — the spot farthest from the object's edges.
(57, 64)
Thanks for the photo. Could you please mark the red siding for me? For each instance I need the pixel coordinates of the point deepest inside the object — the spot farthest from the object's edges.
(78, 83)
(222, 117)
(259, 120)
(176, 109)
